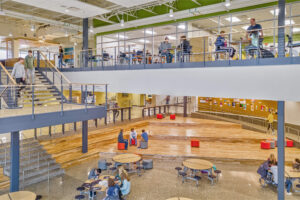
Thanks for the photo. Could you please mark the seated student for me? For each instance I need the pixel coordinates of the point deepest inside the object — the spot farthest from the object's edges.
(164, 50)
(94, 174)
(296, 164)
(122, 140)
(221, 44)
(272, 159)
(288, 182)
(144, 137)
(113, 191)
(184, 48)
(133, 136)
(125, 184)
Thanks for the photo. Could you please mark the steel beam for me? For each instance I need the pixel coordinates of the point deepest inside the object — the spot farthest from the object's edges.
(280, 149)
(15, 161)
(84, 136)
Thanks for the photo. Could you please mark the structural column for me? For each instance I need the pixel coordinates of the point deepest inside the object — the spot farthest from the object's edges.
(15, 161)
(280, 149)
(280, 104)
(84, 136)
(85, 41)
(185, 106)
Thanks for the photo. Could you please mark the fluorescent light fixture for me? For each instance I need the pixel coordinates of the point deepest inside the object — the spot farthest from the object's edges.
(171, 37)
(91, 29)
(150, 32)
(181, 26)
(245, 27)
(121, 36)
(144, 41)
(122, 22)
(171, 13)
(75, 43)
(227, 3)
(234, 19)
(296, 29)
(23, 46)
(32, 28)
(289, 22)
(276, 11)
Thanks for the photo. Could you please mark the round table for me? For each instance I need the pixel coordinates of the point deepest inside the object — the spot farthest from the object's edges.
(292, 173)
(197, 164)
(179, 198)
(21, 195)
(127, 158)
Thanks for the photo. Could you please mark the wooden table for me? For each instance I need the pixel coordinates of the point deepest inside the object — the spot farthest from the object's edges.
(291, 173)
(127, 158)
(179, 198)
(197, 164)
(89, 186)
(21, 195)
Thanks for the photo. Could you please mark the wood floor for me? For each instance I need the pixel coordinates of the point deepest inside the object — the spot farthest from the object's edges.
(218, 140)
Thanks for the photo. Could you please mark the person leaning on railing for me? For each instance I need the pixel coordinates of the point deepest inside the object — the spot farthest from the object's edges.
(255, 35)
(164, 50)
(184, 49)
(19, 74)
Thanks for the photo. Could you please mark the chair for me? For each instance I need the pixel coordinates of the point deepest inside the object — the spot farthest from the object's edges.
(80, 190)
(265, 145)
(144, 145)
(172, 116)
(178, 169)
(159, 116)
(195, 143)
(79, 197)
(147, 164)
(298, 186)
(102, 164)
(197, 178)
(289, 143)
(218, 172)
(183, 174)
(121, 146)
(139, 169)
(38, 197)
(221, 51)
(211, 178)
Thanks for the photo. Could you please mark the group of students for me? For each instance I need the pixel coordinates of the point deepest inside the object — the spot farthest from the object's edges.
(133, 138)
(118, 187)
(270, 167)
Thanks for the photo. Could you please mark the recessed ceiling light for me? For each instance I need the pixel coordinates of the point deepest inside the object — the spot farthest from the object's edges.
(171, 37)
(276, 11)
(227, 3)
(171, 14)
(150, 32)
(67, 10)
(234, 19)
(32, 28)
(289, 22)
(144, 41)
(181, 26)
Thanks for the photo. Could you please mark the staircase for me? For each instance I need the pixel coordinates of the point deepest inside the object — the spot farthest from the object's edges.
(36, 164)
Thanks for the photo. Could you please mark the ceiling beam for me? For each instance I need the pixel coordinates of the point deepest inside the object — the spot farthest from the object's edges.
(196, 2)
(104, 20)
(150, 11)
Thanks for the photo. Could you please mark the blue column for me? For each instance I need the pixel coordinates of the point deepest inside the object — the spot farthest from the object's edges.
(280, 149)
(38, 59)
(85, 41)
(84, 136)
(185, 106)
(281, 23)
(15, 161)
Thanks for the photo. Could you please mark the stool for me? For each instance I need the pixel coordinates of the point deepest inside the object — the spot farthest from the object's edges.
(144, 145)
(298, 186)
(139, 169)
(204, 172)
(102, 164)
(211, 178)
(289, 143)
(183, 174)
(197, 178)
(195, 143)
(172, 116)
(265, 145)
(178, 169)
(272, 144)
(79, 197)
(121, 146)
(80, 189)
(218, 172)
(148, 164)
(159, 116)
(38, 197)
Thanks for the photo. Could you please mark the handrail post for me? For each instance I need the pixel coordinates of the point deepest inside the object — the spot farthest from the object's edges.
(154, 110)
(94, 103)
(32, 100)
(129, 113)
(149, 112)
(61, 99)
(143, 112)
(204, 50)
(105, 104)
(70, 93)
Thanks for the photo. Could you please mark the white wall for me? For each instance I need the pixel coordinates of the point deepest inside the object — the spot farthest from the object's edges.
(262, 82)
(292, 112)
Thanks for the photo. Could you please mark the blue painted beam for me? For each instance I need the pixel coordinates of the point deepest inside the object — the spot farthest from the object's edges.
(25, 122)
(280, 149)
(84, 136)
(15, 161)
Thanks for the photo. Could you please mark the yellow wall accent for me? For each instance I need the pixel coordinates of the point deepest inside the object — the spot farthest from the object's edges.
(258, 108)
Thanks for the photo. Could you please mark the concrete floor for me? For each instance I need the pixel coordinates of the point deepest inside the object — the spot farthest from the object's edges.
(238, 181)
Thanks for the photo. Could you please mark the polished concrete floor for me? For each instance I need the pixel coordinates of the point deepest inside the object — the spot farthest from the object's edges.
(239, 181)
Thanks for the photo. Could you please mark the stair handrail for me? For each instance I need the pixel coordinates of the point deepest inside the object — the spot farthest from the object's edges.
(8, 74)
(57, 70)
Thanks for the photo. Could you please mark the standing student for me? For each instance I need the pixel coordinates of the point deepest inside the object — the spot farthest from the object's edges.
(19, 74)
(184, 48)
(29, 67)
(255, 35)
(270, 120)
(60, 56)
(133, 136)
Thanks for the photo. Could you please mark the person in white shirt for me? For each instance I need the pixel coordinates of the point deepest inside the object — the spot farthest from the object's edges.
(274, 170)
(19, 73)
(133, 136)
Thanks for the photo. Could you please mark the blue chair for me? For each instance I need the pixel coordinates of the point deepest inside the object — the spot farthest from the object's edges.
(178, 169)
(183, 174)
(80, 190)
(197, 178)
(79, 197)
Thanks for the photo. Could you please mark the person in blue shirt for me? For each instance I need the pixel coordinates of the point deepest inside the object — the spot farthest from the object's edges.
(255, 35)
(113, 191)
(144, 137)
(94, 174)
(221, 44)
(122, 140)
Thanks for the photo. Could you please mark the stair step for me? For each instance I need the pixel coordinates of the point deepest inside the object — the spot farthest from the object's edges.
(30, 164)
(42, 102)
(40, 178)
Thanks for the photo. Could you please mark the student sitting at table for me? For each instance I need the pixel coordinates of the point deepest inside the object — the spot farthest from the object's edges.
(94, 174)
(113, 191)
(221, 44)
(164, 50)
(122, 140)
(296, 164)
(144, 137)
(125, 184)
(133, 137)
